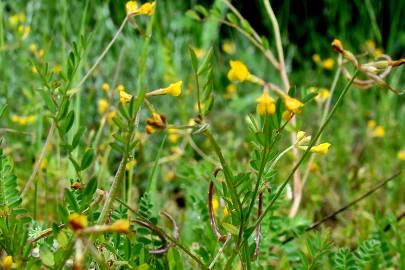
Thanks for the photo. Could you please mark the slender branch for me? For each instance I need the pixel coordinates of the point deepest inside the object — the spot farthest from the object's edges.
(347, 206)
(220, 251)
(39, 160)
(279, 45)
(306, 153)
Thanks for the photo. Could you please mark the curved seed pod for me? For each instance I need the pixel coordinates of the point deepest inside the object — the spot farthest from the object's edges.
(175, 236)
(214, 226)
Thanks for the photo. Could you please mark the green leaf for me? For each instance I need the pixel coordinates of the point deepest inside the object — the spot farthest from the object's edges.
(77, 137)
(230, 228)
(46, 256)
(49, 103)
(206, 64)
(63, 109)
(194, 59)
(87, 159)
(2, 110)
(193, 15)
(67, 123)
(9, 194)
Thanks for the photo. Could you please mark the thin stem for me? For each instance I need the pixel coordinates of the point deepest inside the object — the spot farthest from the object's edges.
(284, 184)
(103, 53)
(39, 160)
(279, 45)
(298, 192)
(347, 206)
(220, 251)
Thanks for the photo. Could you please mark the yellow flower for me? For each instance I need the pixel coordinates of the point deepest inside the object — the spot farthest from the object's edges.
(198, 52)
(34, 69)
(316, 58)
(265, 104)
(120, 88)
(102, 105)
(8, 262)
(322, 148)
(303, 138)
(57, 69)
(77, 221)
(228, 47)
(13, 20)
(120, 226)
(105, 87)
(146, 9)
(378, 52)
(226, 212)
(292, 104)
(24, 30)
(149, 129)
(215, 204)
(370, 45)
(33, 48)
(313, 167)
(131, 164)
(173, 89)
(230, 90)
(323, 95)
(173, 135)
(131, 7)
(401, 155)
(125, 97)
(44, 164)
(31, 119)
(169, 175)
(41, 53)
(287, 115)
(15, 118)
(328, 63)
(379, 132)
(238, 72)
(371, 124)
(110, 116)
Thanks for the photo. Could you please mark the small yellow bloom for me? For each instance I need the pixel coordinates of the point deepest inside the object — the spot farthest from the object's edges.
(120, 226)
(147, 9)
(24, 30)
(33, 48)
(337, 45)
(287, 115)
(77, 221)
(370, 45)
(125, 97)
(41, 53)
(292, 104)
(379, 132)
(313, 167)
(31, 119)
(102, 105)
(174, 89)
(238, 72)
(120, 88)
(215, 204)
(8, 262)
(401, 155)
(131, 7)
(226, 212)
(110, 116)
(130, 164)
(198, 52)
(173, 135)
(15, 118)
(229, 91)
(228, 47)
(149, 129)
(169, 175)
(57, 69)
(371, 124)
(322, 148)
(316, 58)
(13, 20)
(265, 104)
(105, 87)
(378, 52)
(34, 69)
(328, 63)
(323, 95)
(303, 138)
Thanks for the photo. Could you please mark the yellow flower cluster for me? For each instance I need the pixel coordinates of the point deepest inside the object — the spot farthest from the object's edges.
(265, 104)
(228, 47)
(33, 47)
(323, 94)
(7, 262)
(77, 221)
(102, 105)
(23, 120)
(124, 96)
(376, 131)
(327, 63)
(372, 49)
(133, 9)
(238, 72)
(292, 104)
(303, 139)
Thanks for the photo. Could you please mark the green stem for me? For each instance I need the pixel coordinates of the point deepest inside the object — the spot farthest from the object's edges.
(306, 153)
